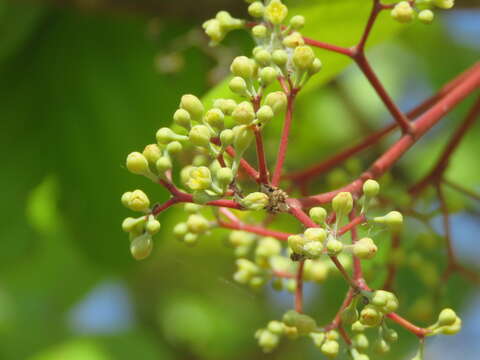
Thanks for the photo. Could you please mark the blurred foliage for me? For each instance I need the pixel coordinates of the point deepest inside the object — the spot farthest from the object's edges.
(78, 91)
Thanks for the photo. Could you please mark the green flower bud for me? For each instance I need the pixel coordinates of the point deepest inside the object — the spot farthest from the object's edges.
(182, 118)
(380, 298)
(256, 9)
(130, 224)
(225, 105)
(297, 22)
(174, 147)
(244, 113)
(276, 12)
(316, 67)
(403, 12)
(276, 327)
(318, 214)
(447, 317)
(313, 249)
(304, 323)
(265, 114)
(370, 316)
(256, 282)
(268, 75)
(153, 226)
(192, 208)
(318, 338)
(330, 348)
(268, 247)
(197, 224)
(315, 234)
(342, 203)
(280, 57)
(152, 153)
(214, 30)
(166, 135)
(243, 66)
(365, 248)
(255, 201)
(193, 105)
(394, 220)
(426, 16)
(141, 247)
(227, 22)
(371, 188)
(138, 201)
(357, 326)
(303, 57)
(126, 198)
(137, 163)
(381, 346)
(199, 178)
(238, 86)
(268, 341)
(185, 174)
(163, 164)
(360, 341)
(452, 329)
(180, 230)
(277, 101)
(214, 118)
(334, 246)
(224, 176)
(259, 31)
(350, 314)
(316, 271)
(242, 137)
(444, 4)
(391, 336)
(296, 243)
(293, 40)
(226, 137)
(200, 135)
(190, 239)
(263, 57)
(240, 238)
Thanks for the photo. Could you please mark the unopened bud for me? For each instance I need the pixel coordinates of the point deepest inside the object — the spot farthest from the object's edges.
(193, 105)
(255, 201)
(137, 163)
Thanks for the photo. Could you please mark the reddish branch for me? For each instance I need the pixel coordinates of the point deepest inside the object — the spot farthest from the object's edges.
(262, 162)
(299, 287)
(392, 268)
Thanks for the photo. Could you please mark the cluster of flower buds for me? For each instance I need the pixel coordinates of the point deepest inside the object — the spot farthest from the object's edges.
(406, 11)
(195, 226)
(448, 323)
(218, 27)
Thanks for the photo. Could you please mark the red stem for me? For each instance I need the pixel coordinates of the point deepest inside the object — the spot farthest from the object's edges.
(329, 47)
(392, 268)
(299, 288)
(418, 331)
(262, 162)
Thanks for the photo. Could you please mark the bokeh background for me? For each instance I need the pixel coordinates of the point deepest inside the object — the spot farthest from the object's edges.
(84, 82)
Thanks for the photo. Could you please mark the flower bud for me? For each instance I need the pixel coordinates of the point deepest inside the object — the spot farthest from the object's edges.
(244, 113)
(403, 12)
(365, 248)
(197, 224)
(243, 66)
(259, 31)
(452, 329)
(180, 230)
(297, 22)
(126, 198)
(315, 234)
(256, 9)
(130, 224)
(137, 163)
(138, 201)
(276, 327)
(225, 105)
(174, 147)
(265, 114)
(280, 57)
(293, 40)
(316, 271)
(268, 247)
(255, 201)
(153, 226)
(214, 118)
(313, 249)
(394, 220)
(330, 348)
(263, 57)
(444, 4)
(277, 101)
(371, 188)
(227, 22)
(315, 67)
(276, 12)
(350, 314)
(238, 86)
(268, 75)
(268, 341)
(296, 243)
(360, 341)
(447, 317)
(426, 16)
(381, 346)
(190, 239)
(224, 176)
(182, 118)
(318, 339)
(166, 135)
(391, 336)
(163, 164)
(303, 57)
(200, 135)
(370, 316)
(199, 178)
(242, 137)
(342, 203)
(304, 323)
(226, 137)
(193, 105)
(334, 246)
(318, 214)
(141, 247)
(214, 30)
(152, 153)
